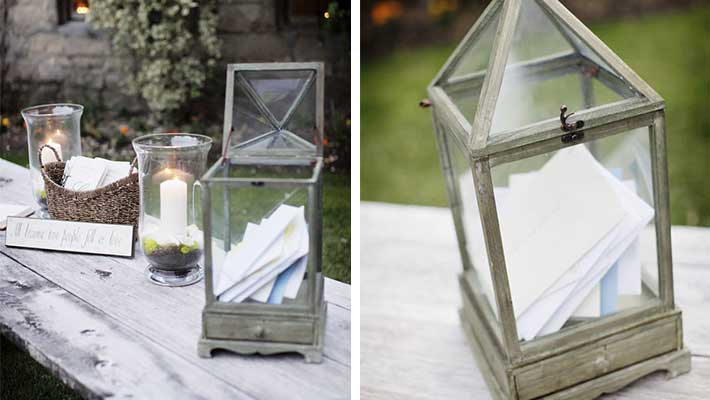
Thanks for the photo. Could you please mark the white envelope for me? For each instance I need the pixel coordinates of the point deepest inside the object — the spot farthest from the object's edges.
(566, 285)
(262, 295)
(591, 306)
(562, 314)
(296, 247)
(83, 173)
(271, 255)
(639, 215)
(242, 259)
(115, 170)
(296, 279)
(535, 223)
(629, 278)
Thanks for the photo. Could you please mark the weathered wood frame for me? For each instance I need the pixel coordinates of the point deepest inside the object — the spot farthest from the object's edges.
(249, 328)
(594, 357)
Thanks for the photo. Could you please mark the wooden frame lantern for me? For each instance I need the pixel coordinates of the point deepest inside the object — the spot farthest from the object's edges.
(562, 218)
(262, 215)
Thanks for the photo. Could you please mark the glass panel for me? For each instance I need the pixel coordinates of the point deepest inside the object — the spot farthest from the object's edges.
(578, 232)
(477, 56)
(58, 127)
(466, 79)
(582, 48)
(466, 99)
(536, 36)
(544, 72)
(298, 170)
(274, 142)
(274, 113)
(279, 89)
(303, 120)
(474, 251)
(247, 121)
(261, 236)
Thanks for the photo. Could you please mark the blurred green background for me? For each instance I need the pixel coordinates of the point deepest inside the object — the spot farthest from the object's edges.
(670, 50)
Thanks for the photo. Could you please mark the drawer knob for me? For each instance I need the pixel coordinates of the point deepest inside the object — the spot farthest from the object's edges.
(602, 363)
(259, 331)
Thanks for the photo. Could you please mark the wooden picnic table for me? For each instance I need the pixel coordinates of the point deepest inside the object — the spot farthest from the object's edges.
(100, 326)
(412, 345)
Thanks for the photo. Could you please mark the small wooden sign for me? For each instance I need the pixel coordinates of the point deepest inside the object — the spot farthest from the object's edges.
(76, 237)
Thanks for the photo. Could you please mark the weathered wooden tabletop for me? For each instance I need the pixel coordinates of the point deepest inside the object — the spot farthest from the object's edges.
(98, 324)
(411, 343)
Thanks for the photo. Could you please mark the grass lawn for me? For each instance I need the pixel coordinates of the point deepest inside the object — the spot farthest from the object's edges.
(670, 51)
(22, 378)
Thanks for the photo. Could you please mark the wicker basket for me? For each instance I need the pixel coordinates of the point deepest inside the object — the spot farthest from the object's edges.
(116, 203)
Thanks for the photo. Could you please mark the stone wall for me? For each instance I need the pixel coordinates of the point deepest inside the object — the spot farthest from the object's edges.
(250, 32)
(46, 62)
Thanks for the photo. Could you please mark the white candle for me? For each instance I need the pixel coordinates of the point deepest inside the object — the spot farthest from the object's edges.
(173, 206)
(47, 155)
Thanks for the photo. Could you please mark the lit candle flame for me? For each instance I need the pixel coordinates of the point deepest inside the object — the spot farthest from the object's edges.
(171, 174)
(82, 10)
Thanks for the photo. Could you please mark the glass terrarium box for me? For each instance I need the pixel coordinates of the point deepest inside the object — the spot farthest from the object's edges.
(553, 152)
(262, 215)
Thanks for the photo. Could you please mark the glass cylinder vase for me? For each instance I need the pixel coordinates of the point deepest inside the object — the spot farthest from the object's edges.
(58, 126)
(170, 230)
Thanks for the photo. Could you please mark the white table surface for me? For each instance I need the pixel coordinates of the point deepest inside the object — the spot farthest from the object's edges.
(412, 345)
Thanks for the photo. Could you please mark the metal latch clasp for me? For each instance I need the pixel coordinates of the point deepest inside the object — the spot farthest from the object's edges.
(566, 126)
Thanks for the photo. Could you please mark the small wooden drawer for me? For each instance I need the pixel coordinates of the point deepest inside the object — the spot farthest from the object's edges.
(234, 327)
(597, 359)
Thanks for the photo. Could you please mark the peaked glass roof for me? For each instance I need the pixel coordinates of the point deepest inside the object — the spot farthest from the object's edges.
(523, 60)
(274, 112)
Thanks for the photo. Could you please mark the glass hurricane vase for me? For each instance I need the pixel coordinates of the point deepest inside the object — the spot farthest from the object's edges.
(170, 231)
(58, 126)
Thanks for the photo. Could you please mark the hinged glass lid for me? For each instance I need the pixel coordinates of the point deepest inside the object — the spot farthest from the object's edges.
(274, 110)
(522, 61)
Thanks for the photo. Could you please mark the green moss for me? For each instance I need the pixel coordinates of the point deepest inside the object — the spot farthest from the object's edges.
(149, 246)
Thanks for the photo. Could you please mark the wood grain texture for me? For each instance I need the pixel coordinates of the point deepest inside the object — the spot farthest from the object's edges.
(496, 259)
(169, 320)
(412, 344)
(597, 359)
(73, 340)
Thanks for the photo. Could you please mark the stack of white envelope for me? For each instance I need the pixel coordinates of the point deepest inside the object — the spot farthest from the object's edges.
(269, 263)
(569, 233)
(84, 173)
